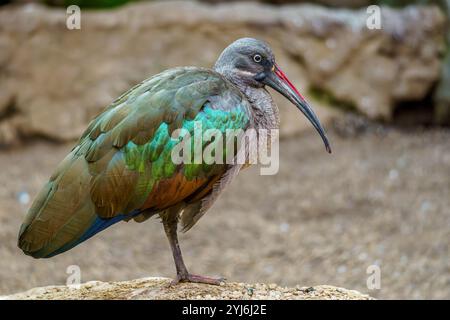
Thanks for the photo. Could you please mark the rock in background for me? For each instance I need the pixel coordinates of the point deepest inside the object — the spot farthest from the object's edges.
(54, 80)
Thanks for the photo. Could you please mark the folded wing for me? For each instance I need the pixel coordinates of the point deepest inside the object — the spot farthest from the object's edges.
(121, 167)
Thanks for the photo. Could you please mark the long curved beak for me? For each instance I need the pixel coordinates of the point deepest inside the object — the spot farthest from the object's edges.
(277, 80)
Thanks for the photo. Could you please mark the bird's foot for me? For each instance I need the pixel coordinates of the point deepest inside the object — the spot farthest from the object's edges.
(196, 279)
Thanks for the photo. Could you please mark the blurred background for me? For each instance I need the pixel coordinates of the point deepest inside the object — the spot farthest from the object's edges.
(382, 198)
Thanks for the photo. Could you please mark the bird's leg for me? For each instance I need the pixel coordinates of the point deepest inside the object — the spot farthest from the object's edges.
(170, 227)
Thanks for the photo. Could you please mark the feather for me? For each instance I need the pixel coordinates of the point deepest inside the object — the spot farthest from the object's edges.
(121, 168)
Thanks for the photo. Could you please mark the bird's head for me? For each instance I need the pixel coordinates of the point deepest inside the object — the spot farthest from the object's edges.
(251, 62)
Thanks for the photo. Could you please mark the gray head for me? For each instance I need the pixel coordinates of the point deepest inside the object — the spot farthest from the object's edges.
(249, 62)
(244, 59)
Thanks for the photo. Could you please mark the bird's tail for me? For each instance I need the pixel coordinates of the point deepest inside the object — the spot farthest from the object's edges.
(62, 215)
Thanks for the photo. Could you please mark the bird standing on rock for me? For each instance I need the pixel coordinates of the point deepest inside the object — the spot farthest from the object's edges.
(121, 167)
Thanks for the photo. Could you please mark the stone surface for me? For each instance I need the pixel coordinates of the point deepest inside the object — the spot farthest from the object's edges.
(54, 80)
(158, 288)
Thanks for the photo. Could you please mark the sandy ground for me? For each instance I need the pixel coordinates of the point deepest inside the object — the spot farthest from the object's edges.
(382, 198)
(161, 289)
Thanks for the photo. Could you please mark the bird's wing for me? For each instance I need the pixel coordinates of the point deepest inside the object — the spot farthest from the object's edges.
(122, 164)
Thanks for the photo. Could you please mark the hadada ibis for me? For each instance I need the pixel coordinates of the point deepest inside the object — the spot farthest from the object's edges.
(121, 167)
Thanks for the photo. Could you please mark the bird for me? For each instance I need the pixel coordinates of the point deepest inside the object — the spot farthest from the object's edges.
(121, 169)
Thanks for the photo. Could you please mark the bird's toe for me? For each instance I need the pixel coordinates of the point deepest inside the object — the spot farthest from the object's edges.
(197, 279)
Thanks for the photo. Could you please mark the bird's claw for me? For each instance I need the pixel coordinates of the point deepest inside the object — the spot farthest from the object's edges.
(197, 279)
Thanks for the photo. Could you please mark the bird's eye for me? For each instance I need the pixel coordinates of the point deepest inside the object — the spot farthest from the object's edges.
(257, 58)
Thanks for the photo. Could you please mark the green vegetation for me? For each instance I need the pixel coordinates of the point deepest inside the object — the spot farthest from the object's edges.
(88, 3)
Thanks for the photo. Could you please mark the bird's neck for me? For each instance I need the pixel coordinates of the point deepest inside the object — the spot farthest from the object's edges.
(265, 111)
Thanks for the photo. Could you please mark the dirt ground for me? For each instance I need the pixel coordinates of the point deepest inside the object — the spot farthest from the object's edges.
(161, 289)
(382, 198)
